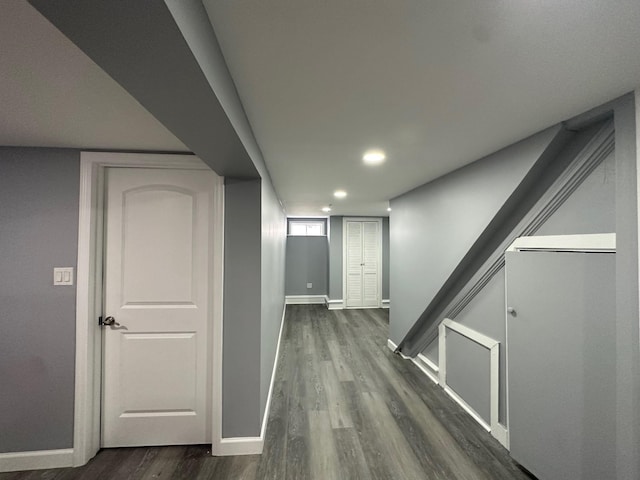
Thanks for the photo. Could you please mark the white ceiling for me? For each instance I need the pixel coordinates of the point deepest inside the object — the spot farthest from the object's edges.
(53, 95)
(436, 84)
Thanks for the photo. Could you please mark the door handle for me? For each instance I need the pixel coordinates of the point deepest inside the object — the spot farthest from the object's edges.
(110, 322)
(512, 311)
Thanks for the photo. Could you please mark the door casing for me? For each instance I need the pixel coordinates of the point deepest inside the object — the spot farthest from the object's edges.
(344, 256)
(86, 434)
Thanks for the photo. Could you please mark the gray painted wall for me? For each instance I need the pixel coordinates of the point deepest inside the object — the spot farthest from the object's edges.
(241, 378)
(335, 258)
(307, 262)
(192, 19)
(39, 193)
(255, 228)
(435, 225)
(468, 372)
(590, 209)
(484, 314)
(274, 230)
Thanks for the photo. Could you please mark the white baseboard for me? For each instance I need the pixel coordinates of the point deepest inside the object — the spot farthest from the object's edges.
(386, 303)
(304, 299)
(336, 304)
(501, 433)
(252, 445)
(17, 461)
(240, 446)
(429, 368)
(422, 362)
(458, 399)
(392, 346)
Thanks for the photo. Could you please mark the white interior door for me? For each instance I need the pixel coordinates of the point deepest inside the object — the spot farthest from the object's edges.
(362, 263)
(157, 256)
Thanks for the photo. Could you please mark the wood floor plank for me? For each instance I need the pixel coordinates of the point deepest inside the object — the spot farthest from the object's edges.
(395, 449)
(343, 407)
(324, 461)
(342, 368)
(336, 404)
(352, 460)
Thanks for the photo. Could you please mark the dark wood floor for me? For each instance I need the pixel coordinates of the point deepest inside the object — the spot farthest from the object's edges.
(344, 407)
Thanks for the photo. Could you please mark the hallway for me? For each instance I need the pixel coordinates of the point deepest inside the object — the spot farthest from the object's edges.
(343, 407)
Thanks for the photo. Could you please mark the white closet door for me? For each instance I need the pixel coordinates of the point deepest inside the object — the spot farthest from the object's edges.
(354, 264)
(362, 263)
(156, 286)
(370, 267)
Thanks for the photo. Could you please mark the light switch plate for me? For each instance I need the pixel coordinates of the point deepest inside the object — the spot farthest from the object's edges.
(63, 276)
(309, 285)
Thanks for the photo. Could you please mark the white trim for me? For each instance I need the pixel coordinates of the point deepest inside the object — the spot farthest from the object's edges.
(239, 446)
(429, 368)
(305, 299)
(267, 408)
(497, 430)
(251, 445)
(466, 407)
(591, 243)
(392, 346)
(217, 287)
(386, 303)
(345, 220)
(18, 461)
(420, 361)
(86, 434)
(335, 304)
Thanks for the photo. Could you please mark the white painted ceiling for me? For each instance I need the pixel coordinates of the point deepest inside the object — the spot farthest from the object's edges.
(436, 84)
(53, 95)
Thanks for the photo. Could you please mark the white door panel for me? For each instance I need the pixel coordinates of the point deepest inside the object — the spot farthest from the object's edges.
(362, 263)
(156, 287)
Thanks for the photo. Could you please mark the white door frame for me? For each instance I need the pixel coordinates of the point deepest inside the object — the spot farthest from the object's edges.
(344, 256)
(86, 429)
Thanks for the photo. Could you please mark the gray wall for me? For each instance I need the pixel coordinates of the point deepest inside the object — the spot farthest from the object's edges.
(255, 233)
(241, 378)
(335, 258)
(274, 230)
(435, 225)
(192, 20)
(39, 193)
(590, 209)
(307, 262)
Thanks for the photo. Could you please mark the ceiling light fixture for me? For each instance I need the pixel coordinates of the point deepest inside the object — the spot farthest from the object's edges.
(374, 157)
(326, 209)
(388, 209)
(339, 194)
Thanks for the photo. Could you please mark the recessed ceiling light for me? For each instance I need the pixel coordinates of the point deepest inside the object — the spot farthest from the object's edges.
(374, 157)
(339, 194)
(326, 209)
(388, 209)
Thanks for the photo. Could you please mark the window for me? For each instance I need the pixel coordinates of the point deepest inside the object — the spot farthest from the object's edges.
(307, 227)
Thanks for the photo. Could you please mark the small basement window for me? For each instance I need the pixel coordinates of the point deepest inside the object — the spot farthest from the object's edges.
(306, 227)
